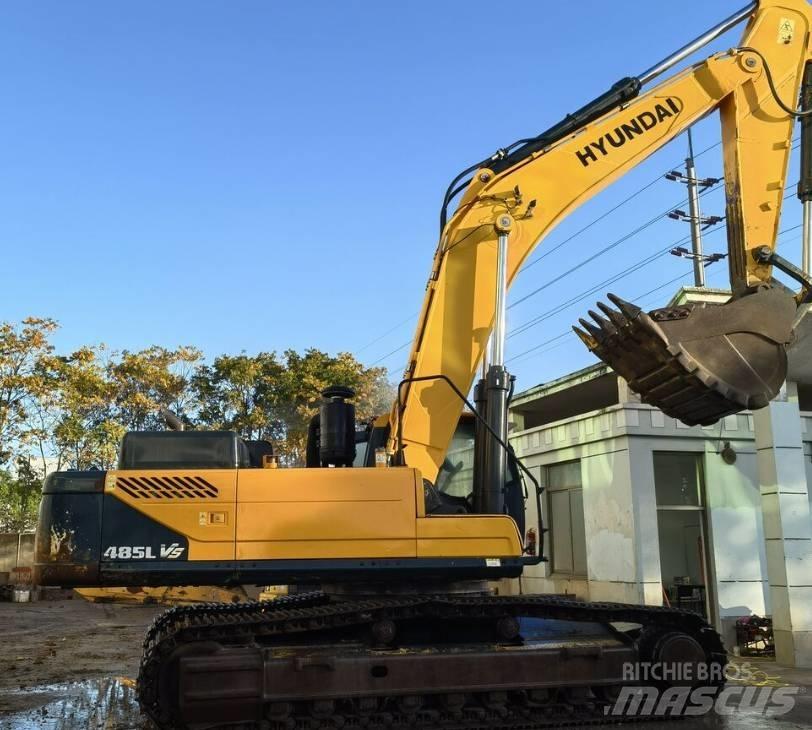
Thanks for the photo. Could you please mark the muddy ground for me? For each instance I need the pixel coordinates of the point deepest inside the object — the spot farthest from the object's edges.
(48, 645)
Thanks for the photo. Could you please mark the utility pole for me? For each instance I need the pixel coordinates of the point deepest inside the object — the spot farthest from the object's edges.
(695, 213)
(694, 216)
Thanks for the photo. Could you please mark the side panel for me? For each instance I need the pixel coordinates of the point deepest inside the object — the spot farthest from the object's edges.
(490, 536)
(198, 504)
(185, 527)
(130, 535)
(68, 539)
(326, 513)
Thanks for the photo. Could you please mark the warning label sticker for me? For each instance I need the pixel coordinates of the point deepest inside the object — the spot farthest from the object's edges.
(786, 30)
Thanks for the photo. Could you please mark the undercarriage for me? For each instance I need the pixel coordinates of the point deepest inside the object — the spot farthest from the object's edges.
(450, 661)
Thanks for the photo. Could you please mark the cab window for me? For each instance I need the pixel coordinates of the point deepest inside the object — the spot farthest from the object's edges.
(456, 476)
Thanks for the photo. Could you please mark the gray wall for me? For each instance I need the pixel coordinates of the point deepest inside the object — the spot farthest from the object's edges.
(16, 551)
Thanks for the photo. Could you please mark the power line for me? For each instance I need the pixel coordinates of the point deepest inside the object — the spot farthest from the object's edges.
(389, 354)
(601, 251)
(787, 230)
(616, 277)
(583, 295)
(708, 149)
(388, 332)
(520, 329)
(592, 290)
(577, 233)
(559, 245)
(623, 202)
(546, 252)
(565, 305)
(569, 331)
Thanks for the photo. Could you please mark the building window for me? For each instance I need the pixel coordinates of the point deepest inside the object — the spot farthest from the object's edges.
(677, 476)
(682, 530)
(565, 517)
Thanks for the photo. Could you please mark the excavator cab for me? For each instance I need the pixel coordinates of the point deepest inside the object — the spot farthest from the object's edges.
(698, 362)
(455, 484)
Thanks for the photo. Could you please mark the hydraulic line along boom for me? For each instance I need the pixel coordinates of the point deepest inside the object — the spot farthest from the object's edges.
(805, 183)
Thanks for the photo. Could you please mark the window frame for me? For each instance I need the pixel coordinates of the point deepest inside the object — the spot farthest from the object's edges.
(703, 512)
(555, 572)
(699, 463)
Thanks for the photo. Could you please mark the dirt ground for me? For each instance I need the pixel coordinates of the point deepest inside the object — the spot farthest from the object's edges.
(58, 642)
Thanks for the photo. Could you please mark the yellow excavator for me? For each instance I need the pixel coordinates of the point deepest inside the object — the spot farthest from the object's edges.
(400, 539)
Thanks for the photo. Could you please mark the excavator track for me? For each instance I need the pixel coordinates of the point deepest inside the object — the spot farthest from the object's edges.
(230, 666)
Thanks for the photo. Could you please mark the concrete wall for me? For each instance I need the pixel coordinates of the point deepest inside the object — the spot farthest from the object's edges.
(16, 551)
(737, 534)
(9, 545)
(25, 556)
(616, 570)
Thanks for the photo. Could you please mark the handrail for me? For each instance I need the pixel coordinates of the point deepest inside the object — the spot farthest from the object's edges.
(400, 460)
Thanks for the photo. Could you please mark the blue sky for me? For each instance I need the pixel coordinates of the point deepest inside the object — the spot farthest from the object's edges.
(264, 175)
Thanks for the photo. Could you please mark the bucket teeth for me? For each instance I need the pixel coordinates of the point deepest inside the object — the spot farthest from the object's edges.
(698, 363)
(616, 317)
(585, 338)
(627, 308)
(598, 335)
(605, 325)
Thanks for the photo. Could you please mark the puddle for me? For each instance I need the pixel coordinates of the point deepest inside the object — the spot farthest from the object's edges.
(110, 704)
(99, 704)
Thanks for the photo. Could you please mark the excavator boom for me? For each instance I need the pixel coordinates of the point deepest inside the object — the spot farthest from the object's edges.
(697, 364)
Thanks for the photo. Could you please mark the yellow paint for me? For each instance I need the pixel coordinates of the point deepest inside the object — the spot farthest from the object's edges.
(289, 514)
(171, 596)
(458, 310)
(356, 513)
(786, 30)
(271, 593)
(313, 547)
(470, 535)
(380, 513)
(310, 513)
(207, 540)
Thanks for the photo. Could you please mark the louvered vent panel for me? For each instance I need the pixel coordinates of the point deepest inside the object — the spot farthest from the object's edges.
(167, 487)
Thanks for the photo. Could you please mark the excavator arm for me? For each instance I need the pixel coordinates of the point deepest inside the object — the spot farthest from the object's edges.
(523, 192)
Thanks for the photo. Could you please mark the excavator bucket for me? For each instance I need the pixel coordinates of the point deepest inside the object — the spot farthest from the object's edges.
(698, 362)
